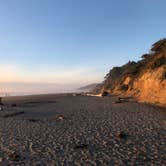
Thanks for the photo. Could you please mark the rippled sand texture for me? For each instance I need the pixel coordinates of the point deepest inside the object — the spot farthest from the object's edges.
(81, 130)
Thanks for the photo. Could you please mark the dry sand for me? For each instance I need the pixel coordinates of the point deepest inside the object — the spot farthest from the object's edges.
(81, 130)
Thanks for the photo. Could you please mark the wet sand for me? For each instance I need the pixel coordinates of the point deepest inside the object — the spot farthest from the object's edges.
(81, 130)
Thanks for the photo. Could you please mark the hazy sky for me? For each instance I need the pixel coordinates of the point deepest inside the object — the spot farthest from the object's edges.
(74, 41)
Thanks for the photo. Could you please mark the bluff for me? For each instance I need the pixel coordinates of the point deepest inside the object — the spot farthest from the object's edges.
(144, 80)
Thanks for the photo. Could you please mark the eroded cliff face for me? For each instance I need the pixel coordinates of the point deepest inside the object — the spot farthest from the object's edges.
(150, 87)
(144, 80)
(147, 88)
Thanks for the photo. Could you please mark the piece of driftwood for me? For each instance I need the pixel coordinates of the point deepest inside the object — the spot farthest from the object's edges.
(1, 103)
(81, 146)
(13, 114)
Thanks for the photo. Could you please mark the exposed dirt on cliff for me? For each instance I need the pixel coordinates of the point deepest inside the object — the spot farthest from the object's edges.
(144, 80)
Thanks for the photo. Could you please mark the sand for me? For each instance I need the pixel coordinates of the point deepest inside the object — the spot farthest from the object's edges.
(81, 130)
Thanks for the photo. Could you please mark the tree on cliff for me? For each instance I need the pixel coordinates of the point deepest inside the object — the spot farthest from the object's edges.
(159, 46)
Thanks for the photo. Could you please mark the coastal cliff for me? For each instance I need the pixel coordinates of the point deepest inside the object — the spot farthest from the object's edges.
(145, 80)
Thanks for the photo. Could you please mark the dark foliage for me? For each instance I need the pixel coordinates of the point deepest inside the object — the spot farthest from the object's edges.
(131, 68)
(144, 56)
(116, 71)
(159, 46)
(158, 62)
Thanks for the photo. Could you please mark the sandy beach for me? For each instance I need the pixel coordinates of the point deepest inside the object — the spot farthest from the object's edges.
(81, 130)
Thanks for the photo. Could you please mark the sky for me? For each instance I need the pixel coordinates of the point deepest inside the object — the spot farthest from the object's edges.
(74, 42)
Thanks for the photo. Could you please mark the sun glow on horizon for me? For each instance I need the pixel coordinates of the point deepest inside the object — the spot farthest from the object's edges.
(13, 73)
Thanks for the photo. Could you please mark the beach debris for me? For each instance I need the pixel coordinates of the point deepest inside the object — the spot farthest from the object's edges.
(14, 156)
(1, 104)
(33, 120)
(30, 147)
(121, 100)
(77, 94)
(81, 146)
(94, 95)
(14, 105)
(124, 99)
(1, 159)
(117, 102)
(40, 102)
(121, 135)
(104, 93)
(164, 123)
(1, 108)
(13, 114)
(61, 117)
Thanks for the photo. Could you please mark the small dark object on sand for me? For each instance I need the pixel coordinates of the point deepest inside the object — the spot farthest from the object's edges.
(77, 94)
(1, 103)
(13, 114)
(14, 156)
(41, 102)
(33, 120)
(121, 100)
(104, 93)
(81, 146)
(14, 105)
(1, 108)
(124, 99)
(121, 135)
(118, 101)
(61, 117)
